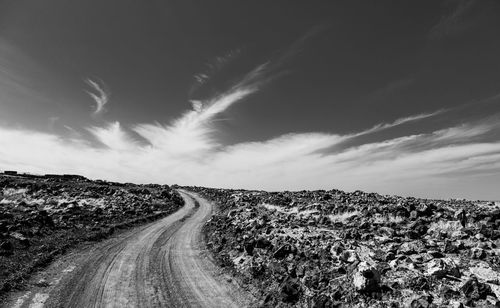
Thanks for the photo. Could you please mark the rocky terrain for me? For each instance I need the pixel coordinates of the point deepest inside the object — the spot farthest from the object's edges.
(338, 249)
(42, 217)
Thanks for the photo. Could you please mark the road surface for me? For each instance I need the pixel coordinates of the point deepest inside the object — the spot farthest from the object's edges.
(161, 264)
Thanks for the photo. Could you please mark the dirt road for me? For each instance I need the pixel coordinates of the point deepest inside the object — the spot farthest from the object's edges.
(157, 265)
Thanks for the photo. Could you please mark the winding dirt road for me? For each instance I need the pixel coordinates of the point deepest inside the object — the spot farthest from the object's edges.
(157, 265)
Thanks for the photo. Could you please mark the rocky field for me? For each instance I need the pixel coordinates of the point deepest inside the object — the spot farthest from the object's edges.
(338, 249)
(41, 218)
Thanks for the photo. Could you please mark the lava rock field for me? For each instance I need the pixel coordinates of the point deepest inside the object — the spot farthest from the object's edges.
(339, 249)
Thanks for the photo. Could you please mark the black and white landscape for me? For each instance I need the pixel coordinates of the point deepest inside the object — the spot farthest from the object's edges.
(249, 154)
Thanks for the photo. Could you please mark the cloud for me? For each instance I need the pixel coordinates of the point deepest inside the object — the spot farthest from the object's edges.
(212, 68)
(187, 151)
(19, 77)
(297, 46)
(400, 121)
(390, 89)
(453, 22)
(100, 94)
(269, 70)
(114, 137)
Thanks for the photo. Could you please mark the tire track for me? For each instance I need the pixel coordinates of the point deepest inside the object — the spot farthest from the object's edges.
(157, 265)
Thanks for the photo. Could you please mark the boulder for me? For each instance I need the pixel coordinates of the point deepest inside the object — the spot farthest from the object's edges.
(485, 274)
(290, 291)
(366, 278)
(442, 267)
(412, 247)
(475, 290)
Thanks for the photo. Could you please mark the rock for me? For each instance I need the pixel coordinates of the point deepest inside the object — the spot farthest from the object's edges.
(21, 238)
(480, 236)
(447, 291)
(322, 301)
(6, 246)
(249, 247)
(42, 283)
(458, 234)
(477, 253)
(435, 254)
(451, 247)
(257, 269)
(389, 256)
(3, 225)
(418, 227)
(424, 301)
(290, 291)
(462, 217)
(420, 283)
(282, 252)
(386, 231)
(495, 288)
(475, 290)
(262, 243)
(366, 278)
(348, 256)
(442, 267)
(412, 247)
(426, 209)
(485, 274)
(455, 304)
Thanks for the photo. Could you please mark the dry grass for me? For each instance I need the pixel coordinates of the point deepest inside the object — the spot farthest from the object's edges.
(383, 219)
(342, 217)
(448, 226)
(13, 192)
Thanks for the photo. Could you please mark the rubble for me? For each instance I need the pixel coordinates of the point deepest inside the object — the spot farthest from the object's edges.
(41, 217)
(339, 249)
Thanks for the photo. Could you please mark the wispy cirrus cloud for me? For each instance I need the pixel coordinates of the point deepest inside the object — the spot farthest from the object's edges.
(390, 89)
(454, 21)
(100, 94)
(270, 69)
(400, 121)
(214, 66)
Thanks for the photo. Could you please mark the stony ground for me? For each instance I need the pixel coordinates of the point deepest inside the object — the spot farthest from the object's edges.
(42, 218)
(338, 249)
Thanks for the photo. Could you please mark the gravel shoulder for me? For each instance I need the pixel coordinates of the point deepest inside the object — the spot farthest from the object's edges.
(161, 264)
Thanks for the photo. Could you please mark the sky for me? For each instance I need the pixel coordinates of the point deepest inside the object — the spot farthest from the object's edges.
(395, 97)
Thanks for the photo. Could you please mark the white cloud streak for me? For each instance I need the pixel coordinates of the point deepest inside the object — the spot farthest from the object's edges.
(454, 21)
(400, 121)
(99, 94)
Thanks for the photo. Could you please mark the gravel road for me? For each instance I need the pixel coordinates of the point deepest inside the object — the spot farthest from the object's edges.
(161, 264)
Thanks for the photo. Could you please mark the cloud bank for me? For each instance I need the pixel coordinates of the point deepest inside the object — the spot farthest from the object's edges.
(461, 160)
